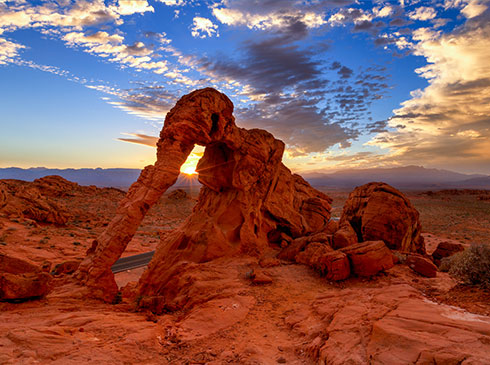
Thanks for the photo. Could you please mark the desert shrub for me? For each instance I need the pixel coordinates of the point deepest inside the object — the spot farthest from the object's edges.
(472, 266)
(445, 264)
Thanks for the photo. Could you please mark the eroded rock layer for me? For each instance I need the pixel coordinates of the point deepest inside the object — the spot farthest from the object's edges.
(378, 211)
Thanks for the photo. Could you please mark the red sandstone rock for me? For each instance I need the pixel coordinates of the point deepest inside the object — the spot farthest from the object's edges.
(422, 266)
(55, 186)
(377, 211)
(66, 267)
(261, 278)
(368, 258)
(178, 194)
(23, 286)
(345, 236)
(269, 262)
(312, 252)
(332, 227)
(446, 249)
(248, 197)
(28, 202)
(334, 265)
(3, 196)
(20, 279)
(292, 250)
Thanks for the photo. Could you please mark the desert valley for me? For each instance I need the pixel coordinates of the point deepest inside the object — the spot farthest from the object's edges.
(324, 277)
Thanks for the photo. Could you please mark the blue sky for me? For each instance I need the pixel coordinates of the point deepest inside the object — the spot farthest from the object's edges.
(345, 84)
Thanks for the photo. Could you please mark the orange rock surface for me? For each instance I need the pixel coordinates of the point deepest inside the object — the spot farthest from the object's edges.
(378, 211)
(20, 280)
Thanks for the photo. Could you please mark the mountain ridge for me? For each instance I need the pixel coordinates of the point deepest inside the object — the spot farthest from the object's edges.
(415, 177)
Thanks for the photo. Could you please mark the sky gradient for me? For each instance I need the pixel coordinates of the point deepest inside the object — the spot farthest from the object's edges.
(344, 84)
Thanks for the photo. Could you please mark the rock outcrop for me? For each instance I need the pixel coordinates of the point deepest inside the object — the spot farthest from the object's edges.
(55, 186)
(249, 199)
(377, 211)
(21, 280)
(178, 194)
(369, 257)
(27, 201)
(446, 249)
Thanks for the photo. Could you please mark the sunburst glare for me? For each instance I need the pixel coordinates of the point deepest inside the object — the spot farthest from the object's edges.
(189, 166)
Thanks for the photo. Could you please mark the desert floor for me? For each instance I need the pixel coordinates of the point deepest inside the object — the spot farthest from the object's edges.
(396, 317)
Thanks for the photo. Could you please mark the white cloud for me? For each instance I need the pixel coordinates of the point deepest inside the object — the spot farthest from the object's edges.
(174, 2)
(383, 12)
(203, 27)
(8, 51)
(423, 13)
(274, 18)
(128, 7)
(473, 9)
(469, 8)
(448, 122)
(137, 56)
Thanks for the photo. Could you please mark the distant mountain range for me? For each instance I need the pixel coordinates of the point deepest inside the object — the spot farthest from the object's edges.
(408, 177)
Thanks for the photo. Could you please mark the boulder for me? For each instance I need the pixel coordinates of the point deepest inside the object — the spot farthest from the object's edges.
(446, 249)
(368, 258)
(345, 236)
(334, 265)
(23, 286)
(377, 211)
(312, 252)
(299, 244)
(421, 265)
(66, 268)
(21, 280)
(178, 194)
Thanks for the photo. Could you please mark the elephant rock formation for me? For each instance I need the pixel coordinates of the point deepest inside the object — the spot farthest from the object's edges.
(248, 202)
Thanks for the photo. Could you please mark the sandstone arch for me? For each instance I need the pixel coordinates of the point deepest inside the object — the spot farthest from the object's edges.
(249, 199)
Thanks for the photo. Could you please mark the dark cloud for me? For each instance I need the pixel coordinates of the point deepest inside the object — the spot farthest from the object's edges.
(269, 66)
(377, 127)
(345, 72)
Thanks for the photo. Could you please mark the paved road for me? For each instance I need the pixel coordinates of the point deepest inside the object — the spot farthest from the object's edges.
(132, 262)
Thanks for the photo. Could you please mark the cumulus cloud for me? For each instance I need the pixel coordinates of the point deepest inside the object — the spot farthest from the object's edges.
(103, 44)
(469, 8)
(448, 122)
(8, 51)
(128, 7)
(423, 13)
(273, 14)
(203, 27)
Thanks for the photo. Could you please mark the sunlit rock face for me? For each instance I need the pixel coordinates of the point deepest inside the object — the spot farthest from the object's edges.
(249, 200)
(378, 211)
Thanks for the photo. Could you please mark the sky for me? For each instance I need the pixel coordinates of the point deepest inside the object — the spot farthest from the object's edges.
(345, 84)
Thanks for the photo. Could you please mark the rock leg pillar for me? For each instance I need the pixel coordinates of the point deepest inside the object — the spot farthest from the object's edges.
(95, 270)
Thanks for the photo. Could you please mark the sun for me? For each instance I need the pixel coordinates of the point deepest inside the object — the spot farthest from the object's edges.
(189, 170)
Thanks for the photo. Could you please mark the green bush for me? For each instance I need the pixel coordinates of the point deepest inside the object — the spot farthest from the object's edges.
(472, 266)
